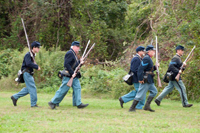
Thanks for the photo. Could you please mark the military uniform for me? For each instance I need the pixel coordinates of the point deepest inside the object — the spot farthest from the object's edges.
(70, 63)
(135, 63)
(30, 88)
(146, 68)
(174, 67)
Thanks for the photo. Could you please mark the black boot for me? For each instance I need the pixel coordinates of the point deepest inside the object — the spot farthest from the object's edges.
(147, 105)
(82, 106)
(157, 102)
(14, 101)
(132, 108)
(121, 102)
(52, 105)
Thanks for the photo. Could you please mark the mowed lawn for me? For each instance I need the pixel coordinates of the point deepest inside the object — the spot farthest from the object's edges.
(102, 115)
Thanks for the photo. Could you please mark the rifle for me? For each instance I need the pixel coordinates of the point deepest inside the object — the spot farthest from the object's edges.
(178, 75)
(28, 41)
(157, 69)
(79, 66)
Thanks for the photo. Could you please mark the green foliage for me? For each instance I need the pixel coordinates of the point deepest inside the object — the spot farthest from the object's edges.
(99, 79)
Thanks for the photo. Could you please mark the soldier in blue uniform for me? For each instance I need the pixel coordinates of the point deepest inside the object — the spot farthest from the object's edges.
(70, 63)
(28, 65)
(174, 67)
(145, 77)
(135, 62)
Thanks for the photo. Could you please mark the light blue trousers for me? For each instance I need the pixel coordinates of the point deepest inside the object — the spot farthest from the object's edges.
(143, 88)
(29, 89)
(131, 95)
(62, 91)
(169, 89)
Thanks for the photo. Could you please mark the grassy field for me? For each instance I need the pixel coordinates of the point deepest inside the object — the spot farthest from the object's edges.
(102, 115)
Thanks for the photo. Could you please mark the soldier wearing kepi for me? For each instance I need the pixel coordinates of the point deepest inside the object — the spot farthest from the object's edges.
(28, 65)
(135, 63)
(70, 63)
(145, 77)
(174, 67)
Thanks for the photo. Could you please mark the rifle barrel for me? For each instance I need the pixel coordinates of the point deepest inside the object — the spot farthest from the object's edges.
(27, 40)
(85, 49)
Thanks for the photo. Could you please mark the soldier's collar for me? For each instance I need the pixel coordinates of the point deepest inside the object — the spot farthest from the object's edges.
(178, 55)
(72, 51)
(138, 55)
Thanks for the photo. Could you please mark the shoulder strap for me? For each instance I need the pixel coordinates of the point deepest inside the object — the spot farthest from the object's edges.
(137, 57)
(75, 61)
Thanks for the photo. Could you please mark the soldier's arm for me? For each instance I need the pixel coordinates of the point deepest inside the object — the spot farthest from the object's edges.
(135, 63)
(68, 60)
(29, 62)
(174, 65)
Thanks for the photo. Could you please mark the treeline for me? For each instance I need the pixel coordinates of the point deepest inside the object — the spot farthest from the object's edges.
(116, 26)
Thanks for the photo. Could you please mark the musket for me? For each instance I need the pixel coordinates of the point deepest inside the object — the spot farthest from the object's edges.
(28, 41)
(79, 66)
(157, 69)
(86, 48)
(179, 74)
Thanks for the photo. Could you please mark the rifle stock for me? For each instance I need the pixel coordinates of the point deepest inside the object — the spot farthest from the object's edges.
(179, 74)
(178, 77)
(158, 80)
(70, 82)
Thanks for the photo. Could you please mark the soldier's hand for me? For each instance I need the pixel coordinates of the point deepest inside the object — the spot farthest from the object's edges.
(38, 68)
(180, 71)
(74, 75)
(141, 82)
(82, 61)
(157, 64)
(184, 64)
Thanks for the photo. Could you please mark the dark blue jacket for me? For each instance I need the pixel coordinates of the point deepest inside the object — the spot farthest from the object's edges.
(175, 66)
(146, 65)
(71, 62)
(28, 63)
(135, 63)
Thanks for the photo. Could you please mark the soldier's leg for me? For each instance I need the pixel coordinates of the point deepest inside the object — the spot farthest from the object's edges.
(166, 91)
(182, 91)
(30, 84)
(131, 95)
(23, 92)
(61, 92)
(142, 102)
(73, 99)
(77, 91)
(143, 88)
(153, 91)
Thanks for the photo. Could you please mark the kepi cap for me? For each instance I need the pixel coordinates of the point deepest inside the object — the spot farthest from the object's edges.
(75, 43)
(150, 47)
(140, 48)
(180, 47)
(35, 44)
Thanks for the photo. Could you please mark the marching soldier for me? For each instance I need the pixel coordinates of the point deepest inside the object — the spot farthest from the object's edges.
(174, 67)
(70, 63)
(28, 65)
(135, 63)
(145, 77)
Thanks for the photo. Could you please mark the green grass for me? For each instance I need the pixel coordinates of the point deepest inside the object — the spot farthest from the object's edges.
(102, 115)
